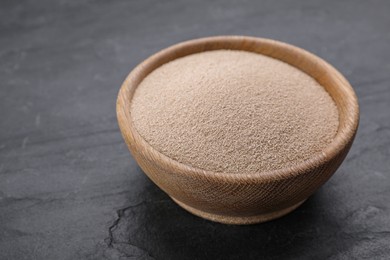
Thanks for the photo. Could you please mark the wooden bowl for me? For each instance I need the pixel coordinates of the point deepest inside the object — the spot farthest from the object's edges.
(242, 198)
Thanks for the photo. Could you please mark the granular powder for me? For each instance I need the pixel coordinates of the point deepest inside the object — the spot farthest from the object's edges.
(234, 112)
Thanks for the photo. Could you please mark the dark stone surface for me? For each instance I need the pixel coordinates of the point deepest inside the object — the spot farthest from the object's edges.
(68, 186)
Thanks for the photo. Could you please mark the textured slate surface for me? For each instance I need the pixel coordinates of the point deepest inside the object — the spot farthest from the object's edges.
(68, 186)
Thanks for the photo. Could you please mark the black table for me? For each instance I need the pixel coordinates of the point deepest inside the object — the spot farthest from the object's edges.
(69, 188)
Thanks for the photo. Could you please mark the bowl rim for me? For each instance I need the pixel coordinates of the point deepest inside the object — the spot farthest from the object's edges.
(132, 138)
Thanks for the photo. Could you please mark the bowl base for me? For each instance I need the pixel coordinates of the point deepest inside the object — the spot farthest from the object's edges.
(236, 220)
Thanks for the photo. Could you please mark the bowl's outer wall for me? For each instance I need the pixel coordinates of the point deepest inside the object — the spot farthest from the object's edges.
(237, 198)
(242, 195)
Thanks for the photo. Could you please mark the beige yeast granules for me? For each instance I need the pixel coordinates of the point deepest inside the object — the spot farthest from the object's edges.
(234, 112)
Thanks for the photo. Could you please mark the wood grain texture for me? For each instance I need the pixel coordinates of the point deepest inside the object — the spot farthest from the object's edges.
(242, 198)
